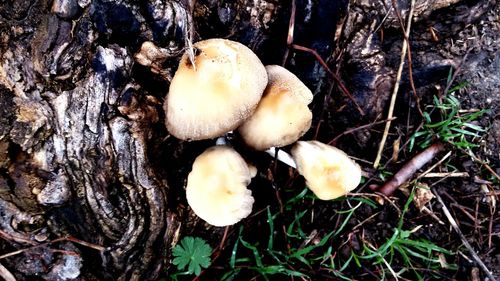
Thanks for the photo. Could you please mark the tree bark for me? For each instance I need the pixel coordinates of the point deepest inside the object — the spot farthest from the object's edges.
(74, 135)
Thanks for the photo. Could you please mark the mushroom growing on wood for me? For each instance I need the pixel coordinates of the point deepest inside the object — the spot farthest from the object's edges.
(217, 93)
(282, 115)
(217, 186)
(328, 171)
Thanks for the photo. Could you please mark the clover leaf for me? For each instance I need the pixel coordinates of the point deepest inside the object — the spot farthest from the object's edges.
(193, 252)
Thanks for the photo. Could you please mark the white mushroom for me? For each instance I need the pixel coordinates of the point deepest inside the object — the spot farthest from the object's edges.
(217, 94)
(328, 171)
(217, 186)
(282, 115)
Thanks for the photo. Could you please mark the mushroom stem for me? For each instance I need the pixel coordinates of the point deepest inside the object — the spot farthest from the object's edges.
(282, 156)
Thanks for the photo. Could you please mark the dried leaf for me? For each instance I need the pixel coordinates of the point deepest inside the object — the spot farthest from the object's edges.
(423, 195)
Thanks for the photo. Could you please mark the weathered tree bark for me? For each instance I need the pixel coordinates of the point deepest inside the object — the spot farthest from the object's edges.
(74, 135)
(83, 149)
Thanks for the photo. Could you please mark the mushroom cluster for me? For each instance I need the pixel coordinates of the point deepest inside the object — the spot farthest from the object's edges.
(225, 87)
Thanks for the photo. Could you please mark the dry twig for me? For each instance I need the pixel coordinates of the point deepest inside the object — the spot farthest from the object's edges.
(446, 175)
(6, 274)
(410, 65)
(350, 131)
(291, 28)
(466, 243)
(71, 239)
(454, 76)
(435, 165)
(407, 171)
(335, 77)
(396, 86)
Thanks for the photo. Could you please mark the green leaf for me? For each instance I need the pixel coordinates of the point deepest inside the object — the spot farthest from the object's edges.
(255, 251)
(270, 221)
(192, 252)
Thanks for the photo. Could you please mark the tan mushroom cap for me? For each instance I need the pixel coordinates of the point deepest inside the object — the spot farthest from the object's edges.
(217, 186)
(282, 115)
(328, 171)
(218, 94)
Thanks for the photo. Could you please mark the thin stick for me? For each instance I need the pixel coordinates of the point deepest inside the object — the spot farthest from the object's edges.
(289, 38)
(326, 101)
(454, 225)
(410, 65)
(71, 239)
(490, 226)
(6, 274)
(350, 131)
(435, 165)
(190, 35)
(15, 237)
(83, 243)
(454, 76)
(289, 42)
(477, 159)
(223, 240)
(446, 175)
(396, 87)
(431, 213)
(332, 74)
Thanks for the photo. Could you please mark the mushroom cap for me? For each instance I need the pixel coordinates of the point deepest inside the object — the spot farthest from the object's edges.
(217, 186)
(328, 171)
(282, 115)
(218, 94)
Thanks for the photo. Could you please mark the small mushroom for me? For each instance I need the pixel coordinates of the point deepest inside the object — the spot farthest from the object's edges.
(282, 115)
(328, 171)
(217, 186)
(216, 93)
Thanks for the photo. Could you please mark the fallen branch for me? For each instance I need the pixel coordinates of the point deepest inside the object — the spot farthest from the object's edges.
(409, 169)
(466, 243)
(396, 86)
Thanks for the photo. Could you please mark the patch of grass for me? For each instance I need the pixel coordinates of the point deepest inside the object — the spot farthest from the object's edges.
(443, 121)
(292, 251)
(289, 244)
(402, 246)
(297, 254)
